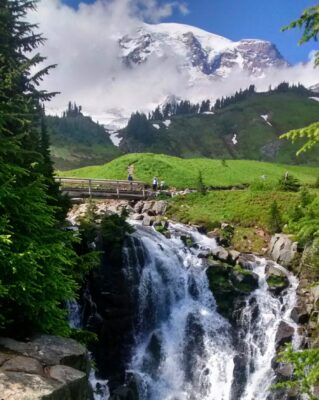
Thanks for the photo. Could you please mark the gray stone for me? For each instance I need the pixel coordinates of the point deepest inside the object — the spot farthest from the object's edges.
(147, 206)
(275, 270)
(234, 255)
(160, 207)
(74, 380)
(284, 334)
(284, 370)
(148, 220)
(220, 254)
(300, 314)
(246, 261)
(282, 249)
(137, 217)
(139, 207)
(23, 364)
(20, 386)
(50, 350)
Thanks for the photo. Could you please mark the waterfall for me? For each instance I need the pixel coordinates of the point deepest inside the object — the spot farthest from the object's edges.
(99, 387)
(184, 349)
(259, 332)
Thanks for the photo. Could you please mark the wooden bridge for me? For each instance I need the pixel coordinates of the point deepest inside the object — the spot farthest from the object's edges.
(103, 189)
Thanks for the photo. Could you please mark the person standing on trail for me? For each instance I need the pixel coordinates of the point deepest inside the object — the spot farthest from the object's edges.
(130, 179)
(155, 183)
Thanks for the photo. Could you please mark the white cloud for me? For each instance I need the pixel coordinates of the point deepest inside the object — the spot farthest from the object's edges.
(84, 44)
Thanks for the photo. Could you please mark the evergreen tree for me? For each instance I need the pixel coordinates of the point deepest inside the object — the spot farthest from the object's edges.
(36, 257)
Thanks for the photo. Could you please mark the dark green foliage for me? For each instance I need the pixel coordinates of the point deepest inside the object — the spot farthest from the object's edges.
(305, 370)
(309, 22)
(77, 140)
(37, 260)
(196, 135)
(201, 188)
(288, 183)
(140, 129)
(274, 219)
(114, 229)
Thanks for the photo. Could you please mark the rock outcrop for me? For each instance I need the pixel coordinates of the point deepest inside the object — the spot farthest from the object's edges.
(47, 368)
(282, 249)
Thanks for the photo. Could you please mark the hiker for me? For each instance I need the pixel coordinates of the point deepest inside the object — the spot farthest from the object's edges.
(162, 185)
(130, 179)
(154, 184)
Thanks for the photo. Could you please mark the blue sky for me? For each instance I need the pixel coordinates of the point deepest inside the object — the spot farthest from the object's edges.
(239, 19)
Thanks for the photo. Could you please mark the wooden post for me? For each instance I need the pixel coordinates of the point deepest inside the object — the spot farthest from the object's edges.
(90, 189)
(118, 189)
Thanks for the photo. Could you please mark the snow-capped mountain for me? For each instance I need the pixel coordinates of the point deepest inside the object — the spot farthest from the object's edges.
(199, 51)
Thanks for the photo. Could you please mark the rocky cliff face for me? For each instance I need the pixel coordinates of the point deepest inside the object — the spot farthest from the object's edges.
(197, 51)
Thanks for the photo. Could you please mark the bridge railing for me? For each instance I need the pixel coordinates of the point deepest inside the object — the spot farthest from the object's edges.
(91, 186)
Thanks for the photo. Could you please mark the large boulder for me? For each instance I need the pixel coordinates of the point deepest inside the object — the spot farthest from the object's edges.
(160, 207)
(284, 334)
(221, 254)
(277, 277)
(50, 350)
(283, 249)
(34, 371)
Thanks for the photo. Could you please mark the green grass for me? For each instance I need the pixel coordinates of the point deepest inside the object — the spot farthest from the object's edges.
(183, 173)
(245, 208)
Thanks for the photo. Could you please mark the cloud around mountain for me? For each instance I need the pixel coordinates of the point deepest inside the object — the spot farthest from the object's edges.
(85, 45)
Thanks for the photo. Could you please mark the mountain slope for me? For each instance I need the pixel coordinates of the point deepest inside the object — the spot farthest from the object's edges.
(256, 121)
(77, 141)
(197, 51)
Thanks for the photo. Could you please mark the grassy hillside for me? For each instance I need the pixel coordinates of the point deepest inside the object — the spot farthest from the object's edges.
(77, 141)
(205, 135)
(182, 173)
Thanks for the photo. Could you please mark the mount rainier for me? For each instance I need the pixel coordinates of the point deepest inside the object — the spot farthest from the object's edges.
(198, 51)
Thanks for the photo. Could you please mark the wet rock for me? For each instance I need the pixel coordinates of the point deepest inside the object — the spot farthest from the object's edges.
(300, 314)
(204, 254)
(220, 254)
(282, 249)
(233, 256)
(284, 371)
(187, 240)
(277, 278)
(148, 220)
(137, 217)
(246, 261)
(243, 280)
(284, 334)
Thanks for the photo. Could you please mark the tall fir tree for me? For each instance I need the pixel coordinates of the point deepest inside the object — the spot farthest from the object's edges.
(37, 260)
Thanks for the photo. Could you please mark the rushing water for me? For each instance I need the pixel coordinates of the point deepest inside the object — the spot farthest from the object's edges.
(99, 387)
(184, 349)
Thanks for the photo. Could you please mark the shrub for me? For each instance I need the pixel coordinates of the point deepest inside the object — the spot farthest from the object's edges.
(274, 219)
(200, 184)
(288, 183)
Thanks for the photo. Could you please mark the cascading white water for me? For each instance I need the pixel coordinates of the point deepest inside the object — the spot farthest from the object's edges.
(259, 332)
(184, 349)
